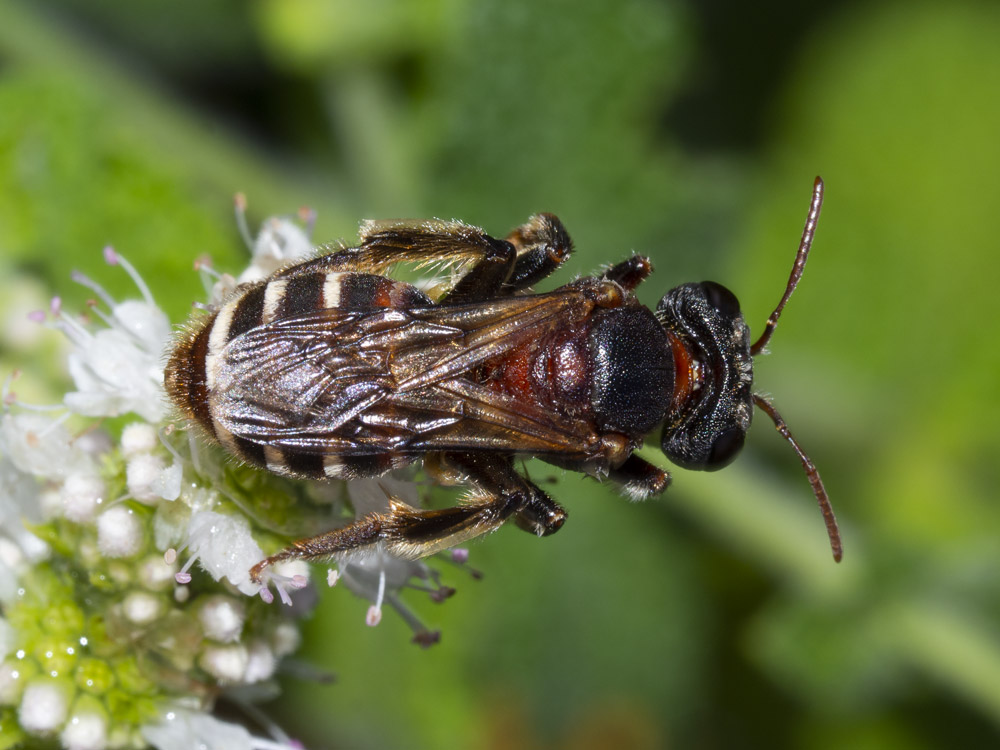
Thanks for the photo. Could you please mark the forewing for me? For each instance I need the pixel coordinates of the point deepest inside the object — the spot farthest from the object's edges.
(361, 383)
(306, 377)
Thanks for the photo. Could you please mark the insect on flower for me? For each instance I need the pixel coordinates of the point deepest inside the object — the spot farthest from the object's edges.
(330, 369)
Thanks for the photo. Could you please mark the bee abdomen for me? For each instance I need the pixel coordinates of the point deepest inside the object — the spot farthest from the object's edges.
(305, 465)
(196, 362)
(184, 376)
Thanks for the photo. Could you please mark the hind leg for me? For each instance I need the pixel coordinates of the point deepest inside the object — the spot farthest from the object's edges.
(409, 533)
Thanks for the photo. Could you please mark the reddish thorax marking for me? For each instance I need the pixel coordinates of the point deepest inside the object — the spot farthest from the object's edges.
(552, 372)
(688, 373)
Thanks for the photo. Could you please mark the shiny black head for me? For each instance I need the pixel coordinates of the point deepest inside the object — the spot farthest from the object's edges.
(708, 422)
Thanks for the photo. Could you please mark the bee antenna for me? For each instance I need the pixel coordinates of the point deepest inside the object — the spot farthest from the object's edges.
(811, 473)
(800, 263)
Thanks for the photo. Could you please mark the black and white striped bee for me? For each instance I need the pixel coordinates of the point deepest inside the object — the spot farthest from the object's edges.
(329, 369)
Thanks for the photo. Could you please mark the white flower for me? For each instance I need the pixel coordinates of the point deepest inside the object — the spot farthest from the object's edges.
(226, 663)
(138, 437)
(11, 682)
(155, 574)
(87, 728)
(224, 547)
(170, 523)
(183, 730)
(149, 479)
(119, 532)
(113, 377)
(142, 608)
(44, 705)
(40, 446)
(7, 638)
(221, 617)
(81, 495)
(12, 564)
(379, 576)
(118, 369)
(115, 361)
(280, 242)
(261, 663)
(285, 639)
(19, 501)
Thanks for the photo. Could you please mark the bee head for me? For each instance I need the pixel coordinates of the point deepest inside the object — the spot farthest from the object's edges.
(712, 403)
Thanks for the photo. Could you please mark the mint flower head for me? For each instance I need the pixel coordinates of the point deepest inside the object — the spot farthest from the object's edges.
(126, 607)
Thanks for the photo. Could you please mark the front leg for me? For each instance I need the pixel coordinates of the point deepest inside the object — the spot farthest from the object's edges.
(639, 478)
(630, 273)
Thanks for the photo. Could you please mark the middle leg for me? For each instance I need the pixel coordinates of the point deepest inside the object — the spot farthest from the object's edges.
(542, 245)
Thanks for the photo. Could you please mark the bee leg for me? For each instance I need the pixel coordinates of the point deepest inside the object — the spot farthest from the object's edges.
(630, 273)
(542, 245)
(386, 243)
(494, 261)
(403, 531)
(530, 253)
(484, 280)
(493, 473)
(411, 533)
(541, 516)
(342, 259)
(639, 478)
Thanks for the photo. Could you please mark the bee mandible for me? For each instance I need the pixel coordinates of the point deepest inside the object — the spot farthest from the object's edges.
(331, 369)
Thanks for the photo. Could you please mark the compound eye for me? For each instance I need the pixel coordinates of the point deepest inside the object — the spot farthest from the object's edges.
(725, 448)
(723, 300)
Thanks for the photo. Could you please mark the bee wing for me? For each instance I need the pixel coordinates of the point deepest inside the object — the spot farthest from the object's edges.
(309, 375)
(486, 419)
(343, 382)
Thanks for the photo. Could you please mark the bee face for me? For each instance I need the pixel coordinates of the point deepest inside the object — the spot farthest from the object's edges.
(709, 421)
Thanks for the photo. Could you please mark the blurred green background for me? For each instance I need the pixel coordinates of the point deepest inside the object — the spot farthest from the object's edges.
(711, 617)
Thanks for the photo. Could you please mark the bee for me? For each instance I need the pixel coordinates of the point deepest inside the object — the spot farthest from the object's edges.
(331, 369)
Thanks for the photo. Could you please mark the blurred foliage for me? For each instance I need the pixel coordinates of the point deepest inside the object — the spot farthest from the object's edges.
(710, 617)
